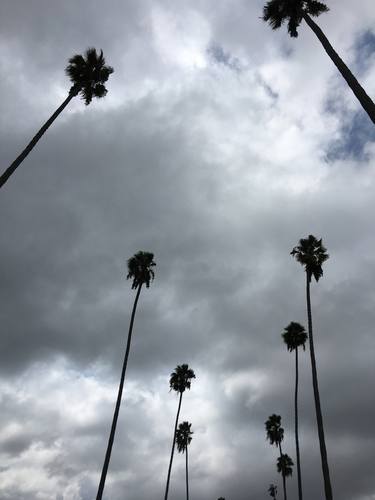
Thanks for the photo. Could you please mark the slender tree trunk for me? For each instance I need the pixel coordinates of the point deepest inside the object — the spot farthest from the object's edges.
(9, 171)
(173, 445)
(319, 417)
(118, 402)
(187, 474)
(296, 431)
(365, 101)
(283, 475)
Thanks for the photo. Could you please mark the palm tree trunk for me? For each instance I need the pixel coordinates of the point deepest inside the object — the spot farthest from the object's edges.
(118, 402)
(9, 171)
(173, 445)
(187, 474)
(296, 431)
(365, 101)
(283, 475)
(319, 417)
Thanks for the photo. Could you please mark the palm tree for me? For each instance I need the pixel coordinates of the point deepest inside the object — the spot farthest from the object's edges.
(272, 490)
(275, 435)
(311, 254)
(141, 272)
(179, 381)
(88, 75)
(284, 465)
(295, 336)
(276, 12)
(183, 439)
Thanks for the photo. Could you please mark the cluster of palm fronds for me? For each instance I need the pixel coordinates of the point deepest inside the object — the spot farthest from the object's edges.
(311, 254)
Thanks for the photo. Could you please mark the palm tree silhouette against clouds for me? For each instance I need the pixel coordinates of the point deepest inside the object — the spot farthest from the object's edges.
(275, 435)
(284, 465)
(183, 439)
(276, 12)
(179, 381)
(272, 490)
(141, 272)
(311, 254)
(88, 74)
(295, 336)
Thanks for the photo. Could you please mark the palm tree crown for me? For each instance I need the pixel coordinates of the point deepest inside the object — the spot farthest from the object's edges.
(88, 74)
(276, 12)
(311, 254)
(294, 336)
(274, 431)
(284, 465)
(140, 269)
(183, 436)
(272, 490)
(181, 378)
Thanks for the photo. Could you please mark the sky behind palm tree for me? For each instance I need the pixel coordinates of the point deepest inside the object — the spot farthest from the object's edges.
(219, 145)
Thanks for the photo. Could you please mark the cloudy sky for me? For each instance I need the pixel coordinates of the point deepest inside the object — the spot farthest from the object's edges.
(219, 145)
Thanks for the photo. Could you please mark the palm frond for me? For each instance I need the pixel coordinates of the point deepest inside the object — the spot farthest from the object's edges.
(294, 336)
(311, 253)
(180, 379)
(274, 431)
(277, 12)
(285, 465)
(88, 74)
(183, 436)
(140, 269)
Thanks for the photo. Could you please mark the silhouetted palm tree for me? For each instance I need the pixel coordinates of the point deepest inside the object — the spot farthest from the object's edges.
(311, 254)
(183, 439)
(272, 490)
(276, 12)
(295, 336)
(88, 74)
(275, 435)
(141, 272)
(179, 381)
(284, 465)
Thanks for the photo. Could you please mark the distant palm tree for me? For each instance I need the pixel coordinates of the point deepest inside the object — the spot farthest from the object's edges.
(272, 490)
(183, 439)
(276, 12)
(295, 336)
(311, 254)
(88, 74)
(141, 272)
(284, 465)
(275, 435)
(179, 381)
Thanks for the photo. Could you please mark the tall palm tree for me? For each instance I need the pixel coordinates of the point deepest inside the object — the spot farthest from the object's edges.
(179, 381)
(88, 75)
(183, 439)
(275, 435)
(284, 465)
(276, 12)
(272, 490)
(295, 336)
(311, 254)
(141, 272)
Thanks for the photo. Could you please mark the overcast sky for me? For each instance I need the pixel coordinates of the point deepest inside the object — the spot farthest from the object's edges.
(219, 145)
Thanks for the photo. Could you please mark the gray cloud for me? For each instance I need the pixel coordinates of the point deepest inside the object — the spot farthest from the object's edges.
(207, 169)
